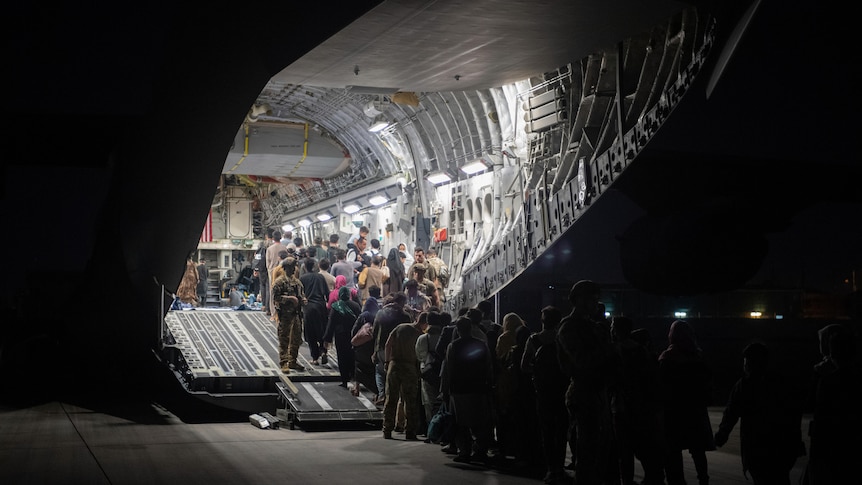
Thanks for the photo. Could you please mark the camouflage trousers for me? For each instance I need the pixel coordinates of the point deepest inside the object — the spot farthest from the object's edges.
(402, 381)
(289, 338)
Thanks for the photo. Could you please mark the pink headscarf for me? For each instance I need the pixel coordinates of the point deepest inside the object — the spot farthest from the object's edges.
(340, 281)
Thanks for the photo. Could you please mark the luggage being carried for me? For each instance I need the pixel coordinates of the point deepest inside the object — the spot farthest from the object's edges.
(364, 335)
(441, 428)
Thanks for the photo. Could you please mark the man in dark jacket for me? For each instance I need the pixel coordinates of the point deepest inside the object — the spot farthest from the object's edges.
(466, 387)
(315, 314)
(390, 316)
(587, 356)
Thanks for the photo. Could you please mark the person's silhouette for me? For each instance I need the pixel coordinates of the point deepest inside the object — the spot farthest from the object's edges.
(770, 413)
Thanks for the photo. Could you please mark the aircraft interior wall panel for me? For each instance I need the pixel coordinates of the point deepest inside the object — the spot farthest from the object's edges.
(634, 56)
(239, 219)
(536, 227)
(595, 178)
(471, 286)
(592, 66)
(486, 275)
(488, 269)
(659, 82)
(490, 279)
(566, 206)
(609, 128)
(603, 163)
(500, 266)
(504, 257)
(690, 29)
(598, 118)
(651, 64)
(510, 252)
(515, 249)
(617, 154)
(561, 196)
(533, 222)
(631, 146)
(606, 84)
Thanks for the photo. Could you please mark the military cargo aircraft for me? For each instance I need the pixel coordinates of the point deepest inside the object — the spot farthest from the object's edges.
(484, 129)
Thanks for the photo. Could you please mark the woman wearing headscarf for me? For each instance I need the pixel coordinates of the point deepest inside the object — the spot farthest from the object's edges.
(342, 316)
(686, 384)
(187, 292)
(364, 371)
(396, 272)
(340, 281)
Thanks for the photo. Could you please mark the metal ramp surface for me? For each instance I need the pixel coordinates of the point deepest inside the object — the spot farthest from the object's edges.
(230, 358)
(306, 402)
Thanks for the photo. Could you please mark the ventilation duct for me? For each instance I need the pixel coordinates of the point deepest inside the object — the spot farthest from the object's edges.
(376, 106)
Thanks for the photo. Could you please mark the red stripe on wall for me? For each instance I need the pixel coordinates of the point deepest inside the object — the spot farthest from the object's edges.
(207, 233)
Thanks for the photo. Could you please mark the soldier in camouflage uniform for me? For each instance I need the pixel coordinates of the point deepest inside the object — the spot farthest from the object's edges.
(289, 298)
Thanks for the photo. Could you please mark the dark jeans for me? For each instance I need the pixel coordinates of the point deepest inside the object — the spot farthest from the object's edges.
(553, 425)
(314, 316)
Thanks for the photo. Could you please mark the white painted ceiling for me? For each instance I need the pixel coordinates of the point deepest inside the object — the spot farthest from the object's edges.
(433, 47)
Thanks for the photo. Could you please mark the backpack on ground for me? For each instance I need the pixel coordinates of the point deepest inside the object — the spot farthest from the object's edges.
(441, 428)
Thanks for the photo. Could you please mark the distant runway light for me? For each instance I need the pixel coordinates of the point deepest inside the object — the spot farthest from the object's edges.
(679, 314)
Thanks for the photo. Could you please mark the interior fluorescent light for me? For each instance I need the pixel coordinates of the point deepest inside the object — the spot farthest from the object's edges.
(377, 199)
(474, 167)
(438, 177)
(352, 208)
(378, 124)
(288, 227)
(305, 222)
(324, 216)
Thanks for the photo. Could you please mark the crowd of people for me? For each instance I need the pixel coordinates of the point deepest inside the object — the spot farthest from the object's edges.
(321, 291)
(593, 386)
(585, 386)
